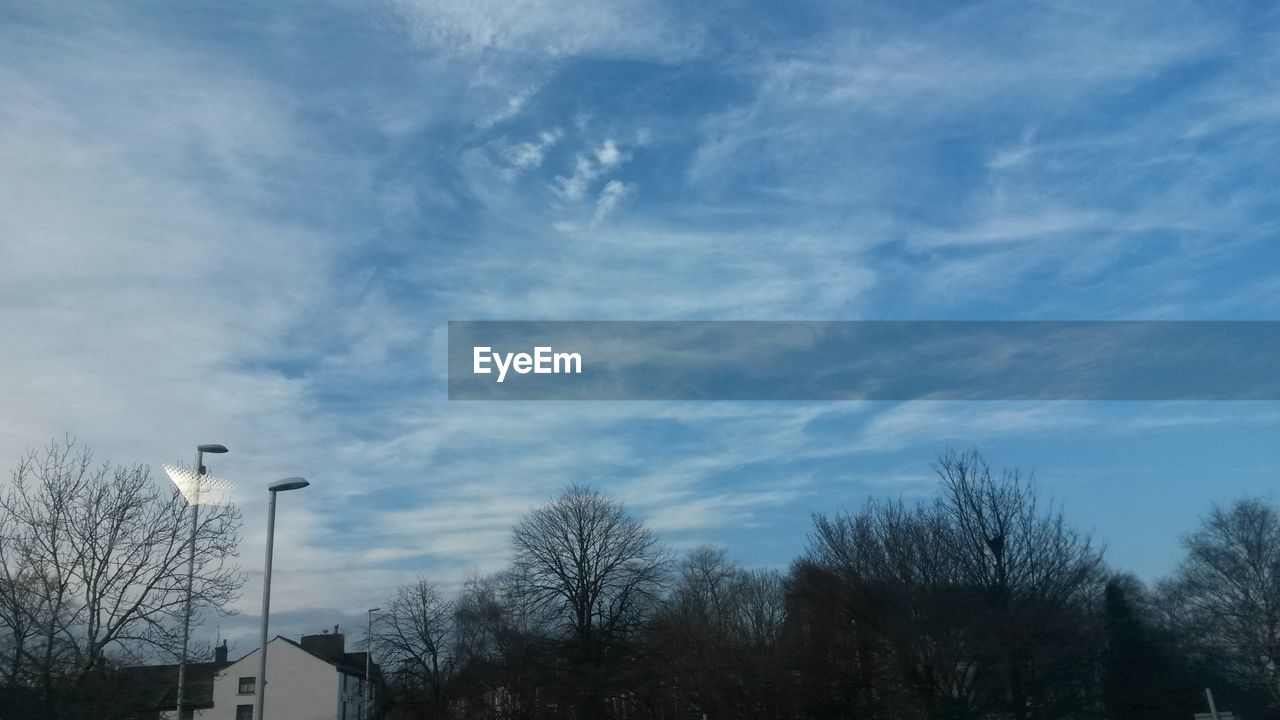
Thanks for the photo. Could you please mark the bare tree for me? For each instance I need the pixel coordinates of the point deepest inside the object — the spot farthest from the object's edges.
(1044, 581)
(94, 560)
(979, 601)
(693, 653)
(501, 648)
(715, 640)
(416, 641)
(705, 585)
(716, 597)
(1227, 591)
(913, 620)
(19, 609)
(759, 611)
(596, 570)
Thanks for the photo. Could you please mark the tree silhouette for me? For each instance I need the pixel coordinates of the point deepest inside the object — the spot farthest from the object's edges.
(598, 575)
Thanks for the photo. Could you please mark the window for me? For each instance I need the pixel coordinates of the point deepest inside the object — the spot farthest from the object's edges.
(246, 688)
(244, 712)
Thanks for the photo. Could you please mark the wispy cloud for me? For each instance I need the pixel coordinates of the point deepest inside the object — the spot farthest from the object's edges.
(529, 154)
(1014, 155)
(610, 195)
(546, 29)
(944, 423)
(587, 168)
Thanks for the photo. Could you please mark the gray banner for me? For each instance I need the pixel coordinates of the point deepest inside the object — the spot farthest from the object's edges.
(910, 360)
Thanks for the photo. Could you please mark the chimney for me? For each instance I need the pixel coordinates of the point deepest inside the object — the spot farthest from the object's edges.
(330, 646)
(220, 653)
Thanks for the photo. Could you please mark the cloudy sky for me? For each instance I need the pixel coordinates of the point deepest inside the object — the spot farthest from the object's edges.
(250, 223)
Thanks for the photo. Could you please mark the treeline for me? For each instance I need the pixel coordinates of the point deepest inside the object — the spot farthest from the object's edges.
(982, 604)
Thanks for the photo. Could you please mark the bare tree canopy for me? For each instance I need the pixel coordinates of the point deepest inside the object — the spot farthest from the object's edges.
(1227, 590)
(415, 638)
(594, 566)
(715, 596)
(983, 583)
(702, 599)
(93, 560)
(718, 634)
(1005, 539)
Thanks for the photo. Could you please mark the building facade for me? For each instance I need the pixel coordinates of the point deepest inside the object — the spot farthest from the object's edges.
(315, 679)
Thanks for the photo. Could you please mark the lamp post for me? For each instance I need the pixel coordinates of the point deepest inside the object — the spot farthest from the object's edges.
(368, 666)
(194, 504)
(293, 483)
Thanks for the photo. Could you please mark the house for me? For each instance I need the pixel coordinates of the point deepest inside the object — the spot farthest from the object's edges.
(315, 679)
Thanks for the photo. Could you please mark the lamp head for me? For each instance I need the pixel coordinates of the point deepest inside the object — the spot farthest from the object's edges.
(201, 489)
(212, 448)
(290, 483)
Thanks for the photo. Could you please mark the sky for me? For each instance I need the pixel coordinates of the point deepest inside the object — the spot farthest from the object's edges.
(249, 223)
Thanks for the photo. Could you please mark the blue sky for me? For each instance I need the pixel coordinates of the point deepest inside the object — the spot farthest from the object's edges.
(249, 224)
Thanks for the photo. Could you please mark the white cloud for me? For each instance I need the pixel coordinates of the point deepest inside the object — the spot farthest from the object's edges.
(737, 509)
(549, 29)
(937, 423)
(509, 109)
(949, 422)
(154, 291)
(670, 272)
(136, 275)
(530, 154)
(856, 99)
(608, 155)
(1019, 226)
(574, 186)
(609, 197)
(1013, 155)
(588, 168)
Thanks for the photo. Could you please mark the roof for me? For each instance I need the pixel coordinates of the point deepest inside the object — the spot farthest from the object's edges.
(352, 663)
(157, 685)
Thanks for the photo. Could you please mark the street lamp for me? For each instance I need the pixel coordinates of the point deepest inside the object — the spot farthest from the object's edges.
(368, 666)
(293, 483)
(190, 488)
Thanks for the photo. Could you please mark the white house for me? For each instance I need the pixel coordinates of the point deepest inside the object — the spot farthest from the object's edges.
(315, 679)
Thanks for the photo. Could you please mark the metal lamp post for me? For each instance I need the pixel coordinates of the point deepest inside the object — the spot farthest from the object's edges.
(293, 483)
(368, 666)
(194, 504)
